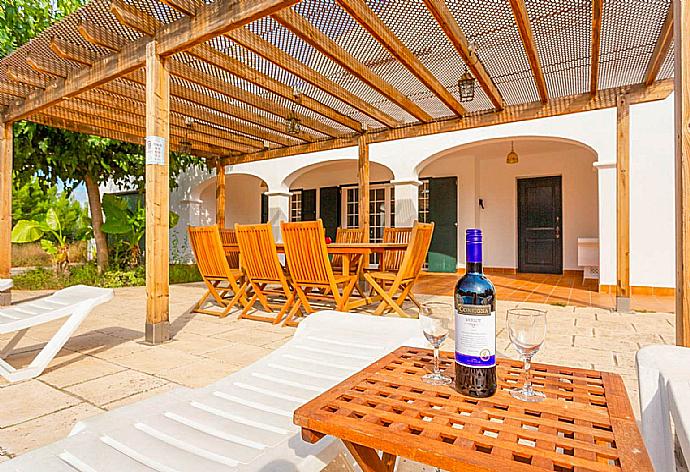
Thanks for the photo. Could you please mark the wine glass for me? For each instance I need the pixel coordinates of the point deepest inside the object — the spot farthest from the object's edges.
(435, 318)
(527, 330)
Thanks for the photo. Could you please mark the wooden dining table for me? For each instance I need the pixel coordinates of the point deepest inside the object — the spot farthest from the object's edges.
(348, 250)
(386, 411)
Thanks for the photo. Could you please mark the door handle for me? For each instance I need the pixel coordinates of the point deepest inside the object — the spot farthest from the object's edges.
(558, 227)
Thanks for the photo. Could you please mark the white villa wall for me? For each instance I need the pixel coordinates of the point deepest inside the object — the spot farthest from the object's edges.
(332, 174)
(652, 241)
(497, 187)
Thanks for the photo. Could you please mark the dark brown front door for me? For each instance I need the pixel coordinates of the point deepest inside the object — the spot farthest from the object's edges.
(540, 245)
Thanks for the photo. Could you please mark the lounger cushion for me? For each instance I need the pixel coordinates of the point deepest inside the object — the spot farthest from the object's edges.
(244, 421)
(5, 284)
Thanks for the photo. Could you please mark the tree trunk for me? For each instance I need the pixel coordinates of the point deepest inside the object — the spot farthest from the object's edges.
(96, 209)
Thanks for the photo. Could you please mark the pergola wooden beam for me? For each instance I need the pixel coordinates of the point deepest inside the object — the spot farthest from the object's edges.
(605, 98)
(277, 56)
(595, 46)
(661, 48)
(186, 7)
(300, 27)
(22, 76)
(212, 20)
(458, 39)
(524, 26)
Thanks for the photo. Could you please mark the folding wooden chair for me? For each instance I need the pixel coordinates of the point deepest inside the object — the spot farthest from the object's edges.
(263, 269)
(227, 236)
(216, 272)
(399, 284)
(391, 259)
(307, 260)
(347, 235)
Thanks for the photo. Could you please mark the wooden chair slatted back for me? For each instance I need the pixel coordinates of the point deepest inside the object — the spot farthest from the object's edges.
(416, 252)
(346, 235)
(391, 260)
(228, 236)
(259, 255)
(306, 252)
(208, 251)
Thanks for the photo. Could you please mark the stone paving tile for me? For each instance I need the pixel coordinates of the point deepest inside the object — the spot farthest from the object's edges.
(238, 353)
(31, 399)
(110, 388)
(155, 360)
(76, 368)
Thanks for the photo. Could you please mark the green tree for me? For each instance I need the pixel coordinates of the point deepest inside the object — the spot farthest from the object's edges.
(31, 201)
(74, 158)
(22, 20)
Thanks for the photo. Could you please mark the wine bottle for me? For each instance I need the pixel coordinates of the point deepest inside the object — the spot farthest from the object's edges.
(475, 325)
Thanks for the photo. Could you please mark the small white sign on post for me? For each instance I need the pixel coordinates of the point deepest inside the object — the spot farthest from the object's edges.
(155, 150)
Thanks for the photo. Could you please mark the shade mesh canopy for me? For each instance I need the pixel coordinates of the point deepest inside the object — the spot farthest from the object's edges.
(236, 94)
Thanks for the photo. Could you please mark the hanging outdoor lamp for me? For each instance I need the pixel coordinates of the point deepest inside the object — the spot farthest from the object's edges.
(512, 157)
(466, 87)
(292, 124)
(186, 144)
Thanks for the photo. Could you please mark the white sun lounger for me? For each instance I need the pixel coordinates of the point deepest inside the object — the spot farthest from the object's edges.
(5, 284)
(73, 303)
(240, 423)
(659, 367)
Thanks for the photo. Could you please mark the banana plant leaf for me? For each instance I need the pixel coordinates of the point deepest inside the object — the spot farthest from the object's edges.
(27, 231)
(52, 220)
(48, 246)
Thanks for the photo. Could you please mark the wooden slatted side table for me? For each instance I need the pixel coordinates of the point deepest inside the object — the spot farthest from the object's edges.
(586, 423)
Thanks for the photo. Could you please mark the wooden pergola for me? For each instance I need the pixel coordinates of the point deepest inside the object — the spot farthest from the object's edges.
(238, 81)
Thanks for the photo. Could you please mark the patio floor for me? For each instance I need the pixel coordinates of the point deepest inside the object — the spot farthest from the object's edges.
(106, 365)
(546, 288)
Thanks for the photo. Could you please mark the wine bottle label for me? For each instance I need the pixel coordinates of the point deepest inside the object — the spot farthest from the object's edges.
(475, 336)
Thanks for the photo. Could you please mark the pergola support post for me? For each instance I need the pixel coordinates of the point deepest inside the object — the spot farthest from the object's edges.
(157, 196)
(623, 205)
(220, 194)
(681, 25)
(6, 147)
(363, 182)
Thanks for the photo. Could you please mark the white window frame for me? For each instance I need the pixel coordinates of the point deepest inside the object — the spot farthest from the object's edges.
(295, 205)
(388, 203)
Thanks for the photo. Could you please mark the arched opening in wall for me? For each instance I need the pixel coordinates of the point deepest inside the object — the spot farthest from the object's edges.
(328, 190)
(245, 202)
(534, 213)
